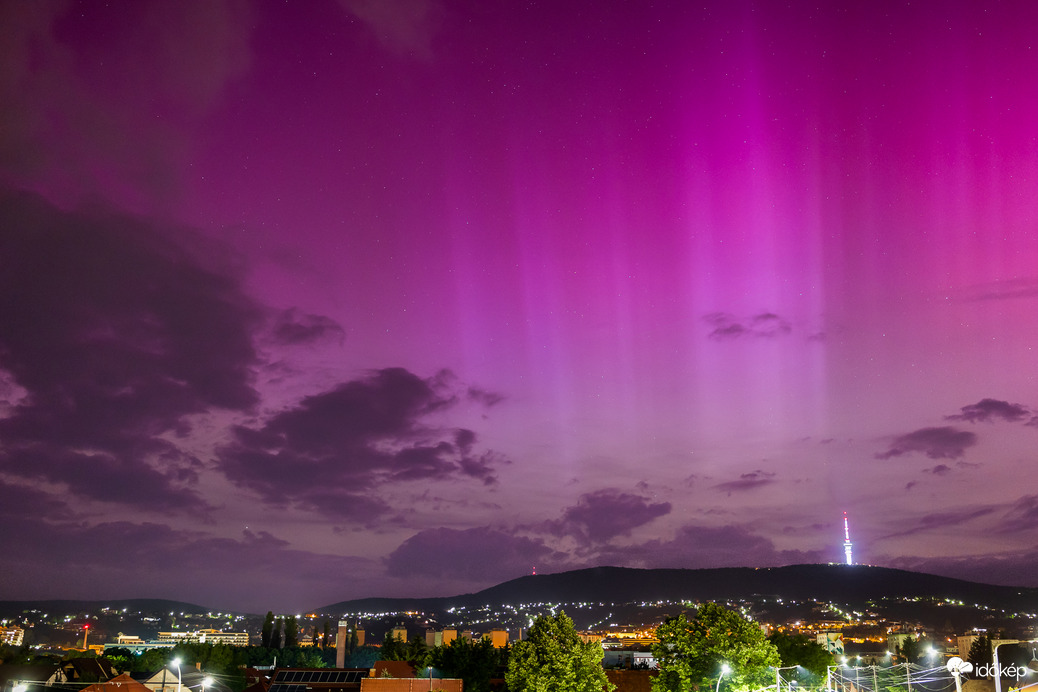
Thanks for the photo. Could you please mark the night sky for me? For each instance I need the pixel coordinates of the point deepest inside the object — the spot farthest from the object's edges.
(302, 302)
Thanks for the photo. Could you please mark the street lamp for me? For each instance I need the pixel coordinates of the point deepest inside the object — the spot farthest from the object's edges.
(176, 662)
(724, 669)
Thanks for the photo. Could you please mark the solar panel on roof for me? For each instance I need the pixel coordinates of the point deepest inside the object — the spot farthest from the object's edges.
(280, 687)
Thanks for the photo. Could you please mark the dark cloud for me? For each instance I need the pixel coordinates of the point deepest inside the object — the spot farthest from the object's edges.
(725, 326)
(484, 397)
(1021, 516)
(935, 443)
(747, 481)
(769, 324)
(19, 501)
(183, 565)
(990, 410)
(476, 555)
(115, 334)
(87, 116)
(606, 514)
(939, 520)
(329, 452)
(293, 327)
(1015, 568)
(701, 547)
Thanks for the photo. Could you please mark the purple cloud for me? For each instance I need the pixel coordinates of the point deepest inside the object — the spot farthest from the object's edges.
(702, 547)
(178, 564)
(935, 443)
(1021, 516)
(606, 514)
(477, 555)
(1008, 569)
(727, 327)
(990, 410)
(138, 333)
(329, 452)
(940, 520)
(293, 327)
(63, 132)
(747, 481)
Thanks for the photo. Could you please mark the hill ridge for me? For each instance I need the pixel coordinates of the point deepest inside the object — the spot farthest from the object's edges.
(831, 582)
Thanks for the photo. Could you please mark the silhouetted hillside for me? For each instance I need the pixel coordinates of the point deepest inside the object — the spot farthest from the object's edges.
(835, 583)
(134, 605)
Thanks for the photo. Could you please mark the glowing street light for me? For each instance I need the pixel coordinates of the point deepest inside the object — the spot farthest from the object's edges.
(176, 662)
(724, 669)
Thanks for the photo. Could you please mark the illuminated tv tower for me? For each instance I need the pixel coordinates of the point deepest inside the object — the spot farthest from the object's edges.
(847, 540)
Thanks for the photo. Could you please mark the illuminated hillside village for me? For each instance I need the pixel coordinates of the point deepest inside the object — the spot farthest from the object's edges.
(881, 645)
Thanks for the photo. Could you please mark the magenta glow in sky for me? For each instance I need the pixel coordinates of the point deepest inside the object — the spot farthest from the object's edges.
(305, 303)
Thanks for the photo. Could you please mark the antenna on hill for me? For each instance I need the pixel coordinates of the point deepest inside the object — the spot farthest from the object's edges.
(847, 540)
(535, 570)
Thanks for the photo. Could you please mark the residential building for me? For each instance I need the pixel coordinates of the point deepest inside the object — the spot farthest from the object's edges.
(120, 683)
(12, 635)
(136, 648)
(87, 670)
(209, 636)
(498, 638)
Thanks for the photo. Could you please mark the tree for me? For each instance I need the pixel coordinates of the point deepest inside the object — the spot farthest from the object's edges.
(800, 650)
(418, 653)
(326, 637)
(268, 630)
(692, 653)
(553, 657)
(275, 635)
(291, 633)
(393, 649)
(980, 651)
(474, 662)
(119, 657)
(363, 657)
(909, 649)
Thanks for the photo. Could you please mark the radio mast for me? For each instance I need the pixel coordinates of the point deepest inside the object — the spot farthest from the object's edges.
(847, 540)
